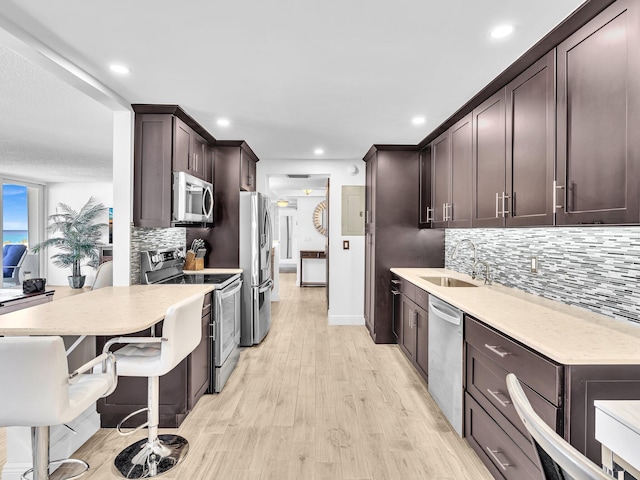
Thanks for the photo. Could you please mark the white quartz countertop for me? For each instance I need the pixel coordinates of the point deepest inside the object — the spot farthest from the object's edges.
(212, 271)
(626, 412)
(106, 311)
(566, 334)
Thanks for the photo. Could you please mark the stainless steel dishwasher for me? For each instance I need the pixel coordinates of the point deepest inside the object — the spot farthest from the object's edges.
(445, 359)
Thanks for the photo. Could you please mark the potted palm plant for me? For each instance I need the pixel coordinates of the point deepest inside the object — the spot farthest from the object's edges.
(79, 239)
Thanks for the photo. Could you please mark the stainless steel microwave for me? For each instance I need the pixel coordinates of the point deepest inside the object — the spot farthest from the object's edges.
(192, 199)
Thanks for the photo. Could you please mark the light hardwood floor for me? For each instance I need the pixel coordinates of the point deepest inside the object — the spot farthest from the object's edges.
(312, 401)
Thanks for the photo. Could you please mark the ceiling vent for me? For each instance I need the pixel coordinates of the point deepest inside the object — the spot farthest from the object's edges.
(298, 176)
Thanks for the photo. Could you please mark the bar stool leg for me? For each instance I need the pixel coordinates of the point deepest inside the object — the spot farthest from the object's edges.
(40, 453)
(156, 454)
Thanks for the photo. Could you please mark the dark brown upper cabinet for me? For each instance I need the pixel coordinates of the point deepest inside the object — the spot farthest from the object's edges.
(490, 199)
(166, 139)
(460, 214)
(598, 108)
(530, 123)
(441, 185)
(189, 150)
(248, 171)
(451, 159)
(152, 170)
(426, 210)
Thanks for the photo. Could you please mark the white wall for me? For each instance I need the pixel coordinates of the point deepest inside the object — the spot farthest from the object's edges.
(75, 195)
(346, 267)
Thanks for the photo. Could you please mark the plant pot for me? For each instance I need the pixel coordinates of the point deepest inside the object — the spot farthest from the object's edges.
(76, 281)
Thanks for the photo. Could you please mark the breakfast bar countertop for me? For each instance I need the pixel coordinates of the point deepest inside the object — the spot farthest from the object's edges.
(566, 334)
(106, 311)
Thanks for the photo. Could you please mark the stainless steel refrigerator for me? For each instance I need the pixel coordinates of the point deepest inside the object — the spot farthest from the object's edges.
(255, 261)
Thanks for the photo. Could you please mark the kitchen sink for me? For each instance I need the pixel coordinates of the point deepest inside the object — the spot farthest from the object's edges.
(448, 282)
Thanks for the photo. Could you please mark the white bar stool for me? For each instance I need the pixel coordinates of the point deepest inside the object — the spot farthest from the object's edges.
(38, 392)
(153, 357)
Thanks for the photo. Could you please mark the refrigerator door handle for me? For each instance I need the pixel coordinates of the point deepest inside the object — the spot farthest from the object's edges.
(265, 286)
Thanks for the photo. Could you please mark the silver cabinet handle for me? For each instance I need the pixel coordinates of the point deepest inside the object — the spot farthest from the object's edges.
(494, 455)
(414, 319)
(497, 205)
(556, 187)
(495, 394)
(494, 348)
(429, 214)
(505, 205)
(395, 292)
(396, 282)
(444, 212)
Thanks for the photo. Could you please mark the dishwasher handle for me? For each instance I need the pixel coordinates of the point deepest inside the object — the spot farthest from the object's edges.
(448, 314)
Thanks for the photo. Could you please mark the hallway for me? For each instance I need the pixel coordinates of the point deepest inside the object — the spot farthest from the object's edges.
(312, 402)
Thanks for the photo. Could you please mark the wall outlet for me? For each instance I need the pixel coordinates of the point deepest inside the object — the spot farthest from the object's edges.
(345, 244)
(534, 264)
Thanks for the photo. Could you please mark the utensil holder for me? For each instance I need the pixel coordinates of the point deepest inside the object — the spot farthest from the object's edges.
(193, 263)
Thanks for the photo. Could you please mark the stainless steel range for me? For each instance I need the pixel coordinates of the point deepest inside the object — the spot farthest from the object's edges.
(165, 266)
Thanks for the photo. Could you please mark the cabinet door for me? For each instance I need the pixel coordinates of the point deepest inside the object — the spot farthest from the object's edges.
(199, 362)
(489, 152)
(531, 144)
(369, 251)
(152, 170)
(182, 144)
(198, 162)
(441, 186)
(208, 165)
(598, 117)
(461, 135)
(426, 211)
(247, 173)
(422, 342)
(409, 324)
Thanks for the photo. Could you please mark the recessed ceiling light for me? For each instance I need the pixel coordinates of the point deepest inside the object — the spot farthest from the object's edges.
(418, 120)
(223, 122)
(318, 151)
(121, 69)
(502, 31)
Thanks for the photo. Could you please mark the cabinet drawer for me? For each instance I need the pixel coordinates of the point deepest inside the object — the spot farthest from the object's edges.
(422, 298)
(542, 375)
(408, 289)
(495, 447)
(487, 380)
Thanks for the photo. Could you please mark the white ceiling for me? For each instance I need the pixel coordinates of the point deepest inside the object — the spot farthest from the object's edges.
(289, 75)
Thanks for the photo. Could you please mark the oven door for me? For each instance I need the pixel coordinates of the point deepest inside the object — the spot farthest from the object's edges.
(227, 322)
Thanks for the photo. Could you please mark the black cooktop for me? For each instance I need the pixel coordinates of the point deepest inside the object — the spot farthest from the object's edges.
(222, 279)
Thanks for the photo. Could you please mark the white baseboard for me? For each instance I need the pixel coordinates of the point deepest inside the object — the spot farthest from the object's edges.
(63, 442)
(346, 320)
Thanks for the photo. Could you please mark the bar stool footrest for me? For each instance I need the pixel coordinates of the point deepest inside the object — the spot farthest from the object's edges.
(145, 459)
(76, 470)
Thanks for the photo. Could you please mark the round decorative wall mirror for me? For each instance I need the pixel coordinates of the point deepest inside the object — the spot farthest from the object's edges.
(320, 218)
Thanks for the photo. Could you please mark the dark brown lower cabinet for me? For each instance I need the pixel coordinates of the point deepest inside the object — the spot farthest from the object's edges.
(562, 395)
(180, 389)
(495, 446)
(414, 326)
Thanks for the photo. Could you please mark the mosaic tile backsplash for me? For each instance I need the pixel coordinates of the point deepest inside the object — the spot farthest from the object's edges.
(150, 238)
(595, 268)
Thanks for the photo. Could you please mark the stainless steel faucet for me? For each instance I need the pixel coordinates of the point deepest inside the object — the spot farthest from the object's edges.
(474, 273)
(487, 273)
(454, 253)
